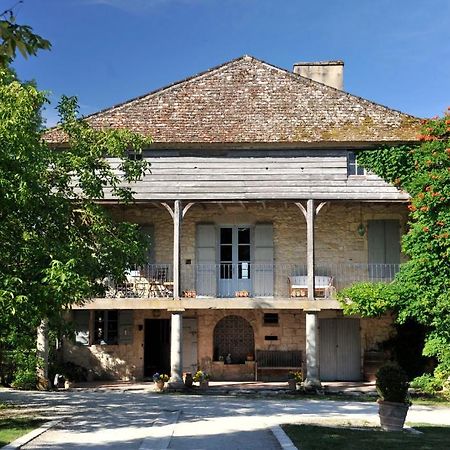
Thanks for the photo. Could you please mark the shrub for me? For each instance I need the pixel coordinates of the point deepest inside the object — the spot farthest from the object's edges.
(427, 384)
(25, 379)
(392, 383)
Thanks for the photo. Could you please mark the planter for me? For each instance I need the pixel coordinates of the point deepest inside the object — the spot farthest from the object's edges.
(292, 384)
(188, 379)
(204, 384)
(159, 385)
(392, 415)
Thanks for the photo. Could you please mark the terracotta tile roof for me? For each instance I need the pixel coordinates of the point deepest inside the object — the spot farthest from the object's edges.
(249, 101)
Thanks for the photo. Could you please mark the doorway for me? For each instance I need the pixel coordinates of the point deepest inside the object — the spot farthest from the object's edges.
(156, 347)
(235, 256)
(340, 349)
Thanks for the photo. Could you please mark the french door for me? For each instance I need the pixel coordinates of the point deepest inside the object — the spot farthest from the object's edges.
(235, 260)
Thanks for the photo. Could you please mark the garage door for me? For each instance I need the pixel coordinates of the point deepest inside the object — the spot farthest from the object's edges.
(340, 350)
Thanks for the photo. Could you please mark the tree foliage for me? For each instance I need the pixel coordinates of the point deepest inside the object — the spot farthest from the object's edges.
(57, 243)
(421, 290)
(15, 37)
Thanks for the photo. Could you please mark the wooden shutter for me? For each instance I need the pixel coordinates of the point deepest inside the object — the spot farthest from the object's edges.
(384, 248)
(81, 325)
(206, 278)
(263, 260)
(392, 241)
(126, 326)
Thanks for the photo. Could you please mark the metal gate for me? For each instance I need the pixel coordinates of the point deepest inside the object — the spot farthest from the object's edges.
(340, 349)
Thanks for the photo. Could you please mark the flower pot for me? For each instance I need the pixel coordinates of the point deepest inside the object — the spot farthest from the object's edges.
(159, 385)
(392, 415)
(204, 384)
(188, 379)
(292, 384)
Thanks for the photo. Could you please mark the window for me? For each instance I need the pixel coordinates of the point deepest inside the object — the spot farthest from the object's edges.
(106, 327)
(352, 165)
(270, 319)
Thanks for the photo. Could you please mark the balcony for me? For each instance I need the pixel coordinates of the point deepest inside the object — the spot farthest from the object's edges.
(245, 280)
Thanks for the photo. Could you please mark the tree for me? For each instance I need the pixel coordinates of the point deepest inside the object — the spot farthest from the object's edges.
(15, 37)
(57, 243)
(421, 290)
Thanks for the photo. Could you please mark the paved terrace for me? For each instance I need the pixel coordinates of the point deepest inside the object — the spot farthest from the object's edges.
(132, 416)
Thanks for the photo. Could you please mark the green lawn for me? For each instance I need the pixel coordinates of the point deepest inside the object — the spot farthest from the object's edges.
(12, 428)
(311, 437)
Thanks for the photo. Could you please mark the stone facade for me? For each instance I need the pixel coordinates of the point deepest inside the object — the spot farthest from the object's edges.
(125, 361)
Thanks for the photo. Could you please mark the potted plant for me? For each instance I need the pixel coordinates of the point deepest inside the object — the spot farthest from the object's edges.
(295, 378)
(159, 380)
(393, 404)
(202, 378)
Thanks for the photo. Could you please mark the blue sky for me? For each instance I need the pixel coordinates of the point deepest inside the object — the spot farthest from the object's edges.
(396, 52)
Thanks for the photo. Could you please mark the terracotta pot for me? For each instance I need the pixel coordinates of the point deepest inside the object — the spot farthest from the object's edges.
(204, 384)
(159, 385)
(392, 415)
(292, 384)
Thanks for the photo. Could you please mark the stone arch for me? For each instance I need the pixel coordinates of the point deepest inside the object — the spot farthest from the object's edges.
(233, 335)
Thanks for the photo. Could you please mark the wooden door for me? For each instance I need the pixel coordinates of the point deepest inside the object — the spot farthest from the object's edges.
(340, 349)
(190, 345)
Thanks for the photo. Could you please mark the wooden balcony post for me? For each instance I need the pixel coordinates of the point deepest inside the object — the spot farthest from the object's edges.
(310, 257)
(177, 211)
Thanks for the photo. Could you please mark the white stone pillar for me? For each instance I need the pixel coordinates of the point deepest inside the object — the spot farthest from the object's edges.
(312, 346)
(42, 356)
(176, 353)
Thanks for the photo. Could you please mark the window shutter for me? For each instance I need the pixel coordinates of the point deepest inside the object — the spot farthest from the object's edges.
(263, 260)
(81, 325)
(384, 248)
(206, 278)
(392, 241)
(126, 326)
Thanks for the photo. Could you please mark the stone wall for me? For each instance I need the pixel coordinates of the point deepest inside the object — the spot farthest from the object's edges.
(126, 361)
(337, 242)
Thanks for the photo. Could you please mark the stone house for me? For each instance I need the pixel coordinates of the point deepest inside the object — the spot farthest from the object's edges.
(258, 214)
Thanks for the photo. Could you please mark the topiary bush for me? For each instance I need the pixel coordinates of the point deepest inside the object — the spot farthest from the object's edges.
(392, 383)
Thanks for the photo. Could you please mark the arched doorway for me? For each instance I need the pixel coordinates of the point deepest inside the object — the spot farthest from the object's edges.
(233, 335)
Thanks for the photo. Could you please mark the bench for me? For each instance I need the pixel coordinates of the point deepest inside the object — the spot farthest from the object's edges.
(276, 364)
(298, 286)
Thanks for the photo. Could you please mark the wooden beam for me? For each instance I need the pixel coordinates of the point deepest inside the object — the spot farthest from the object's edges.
(321, 205)
(310, 256)
(302, 209)
(187, 208)
(177, 217)
(167, 206)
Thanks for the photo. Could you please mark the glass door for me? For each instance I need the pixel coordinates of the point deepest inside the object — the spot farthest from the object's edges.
(235, 259)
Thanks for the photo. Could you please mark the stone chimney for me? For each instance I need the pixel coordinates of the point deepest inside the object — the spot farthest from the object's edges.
(330, 73)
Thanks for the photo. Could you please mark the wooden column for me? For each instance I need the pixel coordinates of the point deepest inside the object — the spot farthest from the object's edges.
(177, 216)
(310, 257)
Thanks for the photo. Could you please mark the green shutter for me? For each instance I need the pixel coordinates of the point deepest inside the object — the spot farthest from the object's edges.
(81, 325)
(384, 248)
(392, 241)
(206, 274)
(263, 260)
